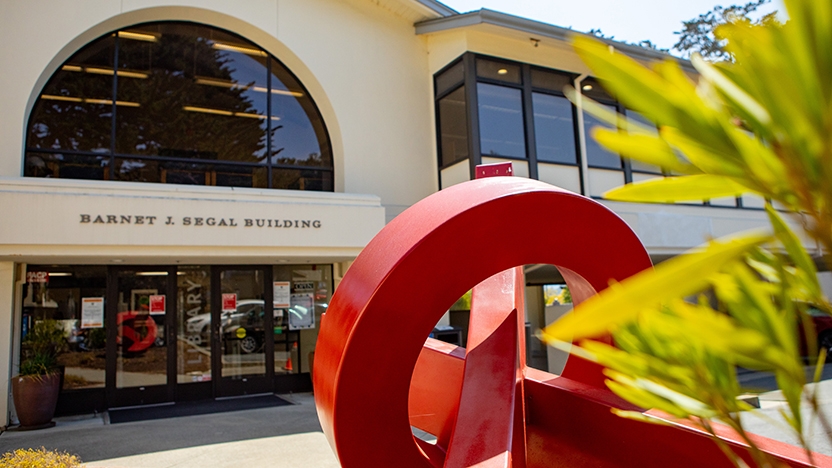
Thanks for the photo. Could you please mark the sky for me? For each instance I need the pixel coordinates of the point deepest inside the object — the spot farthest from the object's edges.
(626, 20)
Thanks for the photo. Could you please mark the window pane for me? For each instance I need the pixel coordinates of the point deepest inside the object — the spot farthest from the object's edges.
(498, 71)
(592, 88)
(598, 156)
(74, 111)
(193, 319)
(450, 78)
(298, 135)
(550, 80)
(224, 175)
(67, 166)
(243, 328)
(199, 93)
(501, 121)
(553, 128)
(142, 349)
(304, 298)
(302, 179)
(453, 127)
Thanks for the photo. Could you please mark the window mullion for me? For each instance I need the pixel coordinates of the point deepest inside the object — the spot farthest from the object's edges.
(112, 170)
(471, 105)
(528, 121)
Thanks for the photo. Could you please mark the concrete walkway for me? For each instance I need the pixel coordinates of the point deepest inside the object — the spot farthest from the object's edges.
(286, 436)
(280, 437)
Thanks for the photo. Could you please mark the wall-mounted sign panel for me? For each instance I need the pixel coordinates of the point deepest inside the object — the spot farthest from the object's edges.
(81, 213)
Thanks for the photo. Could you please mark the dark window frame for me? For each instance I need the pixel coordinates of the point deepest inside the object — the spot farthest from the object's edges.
(475, 156)
(437, 120)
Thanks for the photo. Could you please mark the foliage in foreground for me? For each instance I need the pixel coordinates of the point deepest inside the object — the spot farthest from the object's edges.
(39, 458)
(761, 125)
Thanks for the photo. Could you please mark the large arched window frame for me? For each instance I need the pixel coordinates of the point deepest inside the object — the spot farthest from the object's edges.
(182, 103)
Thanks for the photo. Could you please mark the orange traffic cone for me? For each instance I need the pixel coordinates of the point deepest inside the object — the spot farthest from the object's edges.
(288, 366)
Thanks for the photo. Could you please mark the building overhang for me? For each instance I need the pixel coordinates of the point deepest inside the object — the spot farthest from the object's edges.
(512, 25)
(68, 221)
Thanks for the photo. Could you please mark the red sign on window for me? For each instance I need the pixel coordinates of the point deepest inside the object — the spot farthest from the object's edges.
(229, 302)
(157, 304)
(37, 276)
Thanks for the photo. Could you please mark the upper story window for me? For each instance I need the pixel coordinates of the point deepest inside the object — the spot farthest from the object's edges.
(494, 110)
(500, 109)
(180, 103)
(597, 155)
(554, 128)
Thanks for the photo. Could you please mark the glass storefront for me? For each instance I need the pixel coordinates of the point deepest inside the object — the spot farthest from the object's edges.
(151, 334)
(72, 297)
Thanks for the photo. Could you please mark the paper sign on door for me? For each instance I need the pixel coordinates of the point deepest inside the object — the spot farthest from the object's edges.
(229, 302)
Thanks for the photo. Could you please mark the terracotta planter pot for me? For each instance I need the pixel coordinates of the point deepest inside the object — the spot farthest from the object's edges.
(35, 398)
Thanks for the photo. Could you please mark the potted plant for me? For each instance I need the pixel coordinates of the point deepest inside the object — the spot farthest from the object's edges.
(35, 389)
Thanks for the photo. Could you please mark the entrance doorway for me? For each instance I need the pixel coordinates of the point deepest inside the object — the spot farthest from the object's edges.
(140, 356)
(242, 331)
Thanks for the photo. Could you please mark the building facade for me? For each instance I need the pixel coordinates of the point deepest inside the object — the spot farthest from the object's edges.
(183, 184)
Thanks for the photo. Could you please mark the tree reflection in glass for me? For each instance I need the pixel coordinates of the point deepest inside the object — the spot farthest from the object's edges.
(193, 105)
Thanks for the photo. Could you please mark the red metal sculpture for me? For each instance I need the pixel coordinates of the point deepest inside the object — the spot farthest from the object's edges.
(375, 376)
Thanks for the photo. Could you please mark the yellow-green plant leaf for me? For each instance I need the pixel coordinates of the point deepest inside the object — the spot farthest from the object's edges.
(647, 92)
(636, 416)
(731, 90)
(675, 402)
(796, 251)
(643, 147)
(621, 303)
(705, 155)
(676, 189)
(602, 113)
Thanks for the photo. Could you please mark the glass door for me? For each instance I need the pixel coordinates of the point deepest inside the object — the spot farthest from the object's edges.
(140, 308)
(193, 333)
(243, 350)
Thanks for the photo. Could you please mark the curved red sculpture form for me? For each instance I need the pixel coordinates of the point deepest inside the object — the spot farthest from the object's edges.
(375, 375)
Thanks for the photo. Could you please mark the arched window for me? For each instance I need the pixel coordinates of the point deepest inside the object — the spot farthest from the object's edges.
(178, 103)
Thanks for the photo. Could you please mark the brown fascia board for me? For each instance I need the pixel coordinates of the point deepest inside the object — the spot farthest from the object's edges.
(538, 30)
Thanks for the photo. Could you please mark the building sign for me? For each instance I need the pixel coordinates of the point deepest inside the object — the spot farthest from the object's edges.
(303, 287)
(92, 312)
(281, 295)
(197, 221)
(229, 302)
(37, 276)
(157, 304)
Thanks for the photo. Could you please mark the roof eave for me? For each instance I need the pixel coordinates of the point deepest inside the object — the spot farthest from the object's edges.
(537, 29)
(438, 8)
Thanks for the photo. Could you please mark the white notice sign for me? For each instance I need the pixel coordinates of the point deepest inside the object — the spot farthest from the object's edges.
(282, 294)
(302, 312)
(92, 312)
